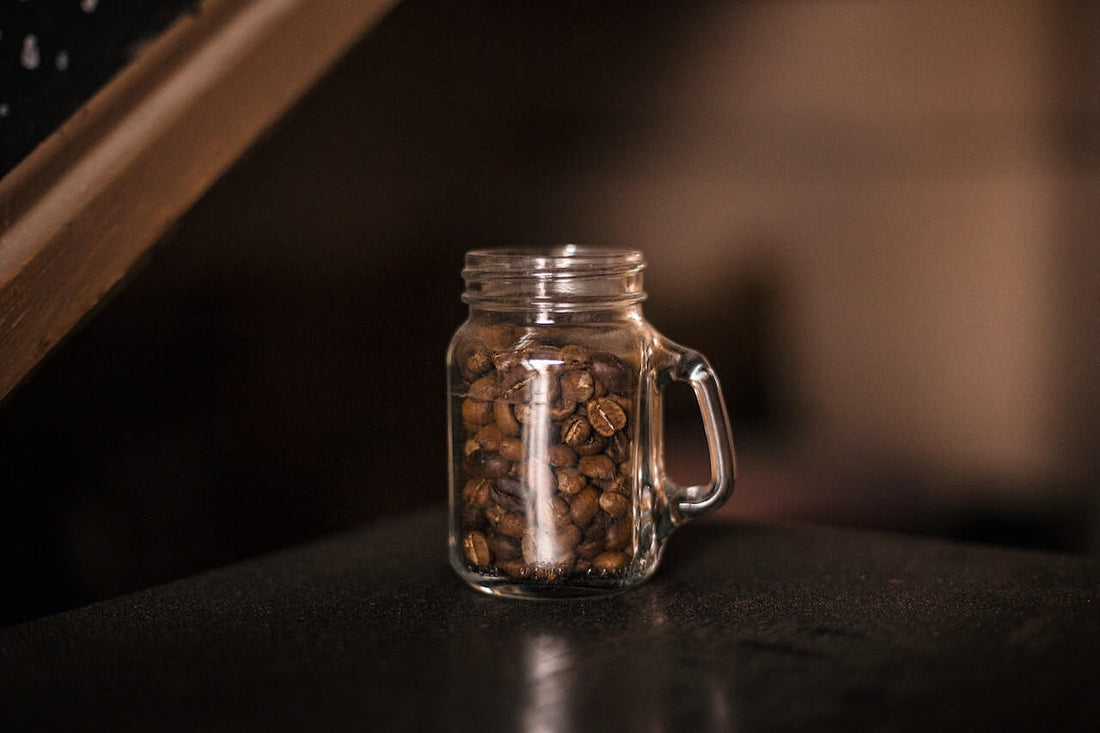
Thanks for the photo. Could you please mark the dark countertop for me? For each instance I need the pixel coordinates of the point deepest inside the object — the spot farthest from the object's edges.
(745, 627)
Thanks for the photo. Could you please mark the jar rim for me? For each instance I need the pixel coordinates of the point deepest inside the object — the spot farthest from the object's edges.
(567, 260)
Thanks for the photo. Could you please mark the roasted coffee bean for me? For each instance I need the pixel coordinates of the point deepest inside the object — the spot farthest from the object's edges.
(509, 494)
(494, 514)
(592, 446)
(573, 354)
(561, 456)
(489, 438)
(476, 412)
(584, 506)
(605, 416)
(611, 371)
(606, 561)
(596, 530)
(617, 484)
(505, 419)
(618, 534)
(512, 525)
(485, 389)
(570, 480)
(618, 447)
(589, 549)
(516, 568)
(476, 547)
(524, 414)
(577, 385)
(598, 466)
(476, 492)
(569, 536)
(477, 363)
(539, 477)
(575, 430)
(512, 449)
(616, 505)
(559, 511)
(516, 385)
(486, 464)
(624, 402)
(472, 517)
(504, 548)
(561, 409)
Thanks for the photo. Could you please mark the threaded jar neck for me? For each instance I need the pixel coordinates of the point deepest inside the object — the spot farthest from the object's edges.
(566, 278)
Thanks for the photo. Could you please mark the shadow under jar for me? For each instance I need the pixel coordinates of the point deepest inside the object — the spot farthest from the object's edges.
(557, 482)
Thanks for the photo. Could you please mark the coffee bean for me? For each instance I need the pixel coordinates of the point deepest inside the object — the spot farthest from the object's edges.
(598, 466)
(476, 412)
(618, 447)
(512, 525)
(472, 517)
(592, 446)
(575, 430)
(611, 371)
(477, 363)
(574, 354)
(476, 547)
(509, 494)
(619, 534)
(482, 463)
(577, 385)
(570, 480)
(476, 492)
(485, 389)
(561, 456)
(589, 549)
(505, 419)
(562, 409)
(504, 548)
(584, 506)
(616, 505)
(605, 416)
(559, 511)
(489, 437)
(606, 561)
(512, 449)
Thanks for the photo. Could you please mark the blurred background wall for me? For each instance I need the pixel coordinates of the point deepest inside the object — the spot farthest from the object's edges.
(878, 218)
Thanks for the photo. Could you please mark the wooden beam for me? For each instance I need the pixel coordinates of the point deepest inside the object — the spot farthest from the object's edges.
(87, 203)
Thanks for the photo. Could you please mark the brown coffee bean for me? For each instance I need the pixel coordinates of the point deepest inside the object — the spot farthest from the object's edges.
(605, 416)
(570, 480)
(476, 412)
(611, 371)
(559, 511)
(561, 410)
(618, 447)
(477, 363)
(476, 547)
(504, 548)
(485, 389)
(577, 385)
(512, 449)
(509, 494)
(575, 354)
(598, 466)
(512, 525)
(616, 505)
(584, 506)
(575, 430)
(516, 385)
(483, 463)
(589, 549)
(568, 536)
(617, 484)
(624, 402)
(592, 446)
(494, 514)
(505, 420)
(489, 437)
(471, 517)
(515, 569)
(560, 456)
(619, 534)
(524, 414)
(596, 530)
(608, 561)
(476, 492)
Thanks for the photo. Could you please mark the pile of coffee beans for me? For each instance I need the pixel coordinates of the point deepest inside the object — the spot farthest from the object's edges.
(546, 468)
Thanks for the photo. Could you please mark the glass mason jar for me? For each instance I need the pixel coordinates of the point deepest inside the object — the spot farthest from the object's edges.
(557, 480)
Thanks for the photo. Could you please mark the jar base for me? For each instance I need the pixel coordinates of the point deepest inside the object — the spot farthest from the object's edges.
(543, 591)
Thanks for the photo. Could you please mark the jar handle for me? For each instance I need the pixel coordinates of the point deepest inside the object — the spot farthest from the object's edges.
(692, 367)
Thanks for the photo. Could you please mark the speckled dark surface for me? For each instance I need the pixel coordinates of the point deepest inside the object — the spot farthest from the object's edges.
(745, 627)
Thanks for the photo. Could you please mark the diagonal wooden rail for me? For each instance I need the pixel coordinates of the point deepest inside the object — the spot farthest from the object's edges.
(93, 198)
